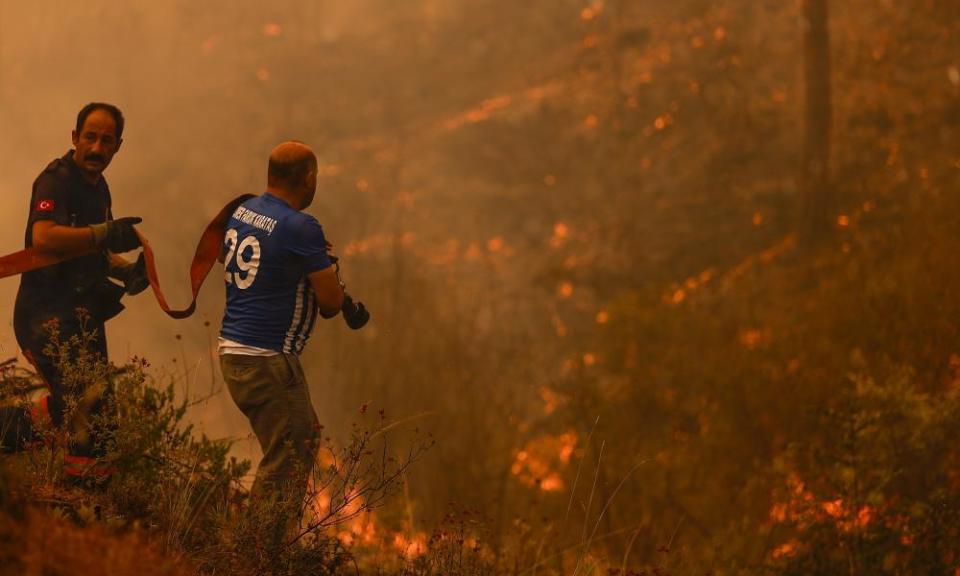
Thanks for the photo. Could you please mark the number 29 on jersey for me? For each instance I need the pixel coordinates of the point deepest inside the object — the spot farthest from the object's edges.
(247, 254)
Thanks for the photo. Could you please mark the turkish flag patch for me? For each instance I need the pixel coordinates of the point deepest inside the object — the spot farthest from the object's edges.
(45, 206)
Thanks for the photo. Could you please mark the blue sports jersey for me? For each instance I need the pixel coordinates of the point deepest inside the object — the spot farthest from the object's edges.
(269, 248)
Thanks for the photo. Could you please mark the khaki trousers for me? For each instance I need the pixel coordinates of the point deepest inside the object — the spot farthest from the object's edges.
(272, 392)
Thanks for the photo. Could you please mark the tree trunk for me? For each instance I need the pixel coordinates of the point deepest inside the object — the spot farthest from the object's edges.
(815, 176)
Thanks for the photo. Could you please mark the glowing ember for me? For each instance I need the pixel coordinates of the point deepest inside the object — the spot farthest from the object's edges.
(272, 29)
(592, 11)
(560, 233)
(487, 108)
(589, 359)
(263, 74)
(778, 513)
(663, 121)
(475, 116)
(551, 400)
(843, 221)
(481, 112)
(565, 290)
(864, 516)
(538, 464)
(833, 508)
(751, 338)
(495, 244)
(552, 483)
(560, 230)
(568, 443)
(496, 103)
(804, 509)
(603, 317)
(785, 550)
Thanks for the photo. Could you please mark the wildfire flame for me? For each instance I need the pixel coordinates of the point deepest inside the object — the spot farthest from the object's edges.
(539, 462)
(410, 546)
(560, 234)
(803, 509)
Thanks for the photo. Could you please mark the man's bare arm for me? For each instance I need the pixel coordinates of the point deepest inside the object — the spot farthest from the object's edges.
(117, 235)
(327, 289)
(48, 236)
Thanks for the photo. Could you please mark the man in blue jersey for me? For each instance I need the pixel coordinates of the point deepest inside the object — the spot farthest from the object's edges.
(278, 278)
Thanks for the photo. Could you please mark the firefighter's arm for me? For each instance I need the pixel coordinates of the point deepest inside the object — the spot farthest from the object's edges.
(48, 236)
(116, 235)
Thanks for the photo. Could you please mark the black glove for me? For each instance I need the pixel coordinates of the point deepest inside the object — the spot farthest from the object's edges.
(355, 315)
(135, 279)
(117, 235)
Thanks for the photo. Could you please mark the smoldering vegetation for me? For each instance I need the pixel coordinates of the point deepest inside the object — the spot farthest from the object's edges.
(575, 226)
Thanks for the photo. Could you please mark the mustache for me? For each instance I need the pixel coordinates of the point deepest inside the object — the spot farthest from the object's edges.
(95, 157)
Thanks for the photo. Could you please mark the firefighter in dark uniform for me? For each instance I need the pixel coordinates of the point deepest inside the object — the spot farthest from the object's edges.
(70, 212)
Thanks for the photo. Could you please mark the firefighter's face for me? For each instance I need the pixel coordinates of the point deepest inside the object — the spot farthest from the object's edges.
(96, 143)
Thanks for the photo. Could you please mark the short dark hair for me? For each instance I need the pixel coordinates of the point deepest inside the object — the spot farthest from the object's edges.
(287, 174)
(113, 110)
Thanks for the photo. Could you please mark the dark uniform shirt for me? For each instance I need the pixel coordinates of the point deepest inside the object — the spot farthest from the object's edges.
(62, 195)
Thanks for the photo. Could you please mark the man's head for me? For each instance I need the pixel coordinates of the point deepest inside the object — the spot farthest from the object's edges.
(97, 138)
(292, 171)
